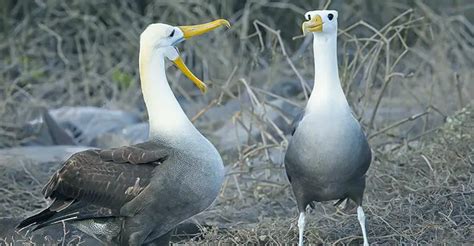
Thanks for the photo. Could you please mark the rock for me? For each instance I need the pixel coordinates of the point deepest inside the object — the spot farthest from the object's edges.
(287, 88)
(132, 134)
(274, 117)
(22, 167)
(46, 131)
(86, 124)
(136, 133)
(222, 113)
(37, 154)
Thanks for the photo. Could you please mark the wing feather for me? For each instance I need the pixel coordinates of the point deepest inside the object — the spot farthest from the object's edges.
(91, 176)
(136, 154)
(92, 180)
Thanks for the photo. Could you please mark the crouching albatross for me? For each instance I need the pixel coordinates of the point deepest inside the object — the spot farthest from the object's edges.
(135, 195)
(328, 155)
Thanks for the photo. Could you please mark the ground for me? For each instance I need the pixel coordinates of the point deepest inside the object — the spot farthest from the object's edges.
(418, 193)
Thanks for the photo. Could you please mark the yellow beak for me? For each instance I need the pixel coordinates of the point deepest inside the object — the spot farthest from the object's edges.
(313, 25)
(192, 31)
(196, 30)
(197, 82)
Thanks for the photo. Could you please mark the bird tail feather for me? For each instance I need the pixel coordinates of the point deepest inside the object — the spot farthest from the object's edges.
(35, 219)
(57, 209)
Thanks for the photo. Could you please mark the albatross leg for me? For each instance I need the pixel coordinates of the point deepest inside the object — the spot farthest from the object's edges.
(361, 217)
(301, 223)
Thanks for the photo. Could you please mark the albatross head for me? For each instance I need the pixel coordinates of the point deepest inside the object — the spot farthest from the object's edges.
(320, 21)
(157, 43)
(162, 38)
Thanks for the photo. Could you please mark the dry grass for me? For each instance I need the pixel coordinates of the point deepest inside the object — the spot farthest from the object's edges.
(405, 67)
(419, 195)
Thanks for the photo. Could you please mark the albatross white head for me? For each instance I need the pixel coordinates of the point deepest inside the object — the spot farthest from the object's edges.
(320, 21)
(327, 91)
(158, 41)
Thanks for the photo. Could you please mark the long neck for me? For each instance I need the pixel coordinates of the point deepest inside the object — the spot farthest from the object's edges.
(327, 91)
(166, 117)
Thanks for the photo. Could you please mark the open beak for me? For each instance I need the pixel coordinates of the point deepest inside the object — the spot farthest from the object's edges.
(192, 31)
(196, 30)
(197, 82)
(313, 25)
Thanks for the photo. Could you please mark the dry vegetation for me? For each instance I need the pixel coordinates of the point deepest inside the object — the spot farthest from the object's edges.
(406, 68)
(419, 195)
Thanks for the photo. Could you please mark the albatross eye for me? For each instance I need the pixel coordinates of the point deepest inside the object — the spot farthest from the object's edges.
(308, 17)
(171, 34)
(330, 16)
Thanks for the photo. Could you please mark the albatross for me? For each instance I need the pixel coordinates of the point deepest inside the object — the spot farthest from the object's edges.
(328, 154)
(137, 194)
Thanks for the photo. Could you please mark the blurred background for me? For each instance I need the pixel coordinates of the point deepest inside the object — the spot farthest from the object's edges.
(69, 81)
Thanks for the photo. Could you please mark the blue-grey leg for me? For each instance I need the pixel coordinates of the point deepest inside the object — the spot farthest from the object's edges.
(301, 224)
(361, 217)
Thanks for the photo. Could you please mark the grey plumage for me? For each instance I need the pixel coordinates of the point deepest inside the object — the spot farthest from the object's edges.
(327, 158)
(132, 194)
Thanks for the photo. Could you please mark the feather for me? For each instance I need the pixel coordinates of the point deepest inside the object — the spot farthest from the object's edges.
(99, 178)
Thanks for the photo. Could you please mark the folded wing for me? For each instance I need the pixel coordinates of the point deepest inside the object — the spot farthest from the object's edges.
(100, 178)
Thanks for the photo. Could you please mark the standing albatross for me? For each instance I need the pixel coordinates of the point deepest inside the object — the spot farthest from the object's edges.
(328, 155)
(135, 195)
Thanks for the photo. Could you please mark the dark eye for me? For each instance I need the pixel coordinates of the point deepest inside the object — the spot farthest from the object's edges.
(171, 34)
(330, 16)
(308, 17)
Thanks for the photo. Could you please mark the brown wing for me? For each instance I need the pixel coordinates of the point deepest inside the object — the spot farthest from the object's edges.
(96, 184)
(105, 178)
(136, 154)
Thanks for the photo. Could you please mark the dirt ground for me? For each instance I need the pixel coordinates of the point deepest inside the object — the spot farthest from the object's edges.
(419, 194)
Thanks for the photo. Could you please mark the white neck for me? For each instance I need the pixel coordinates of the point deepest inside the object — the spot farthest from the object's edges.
(166, 117)
(327, 91)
